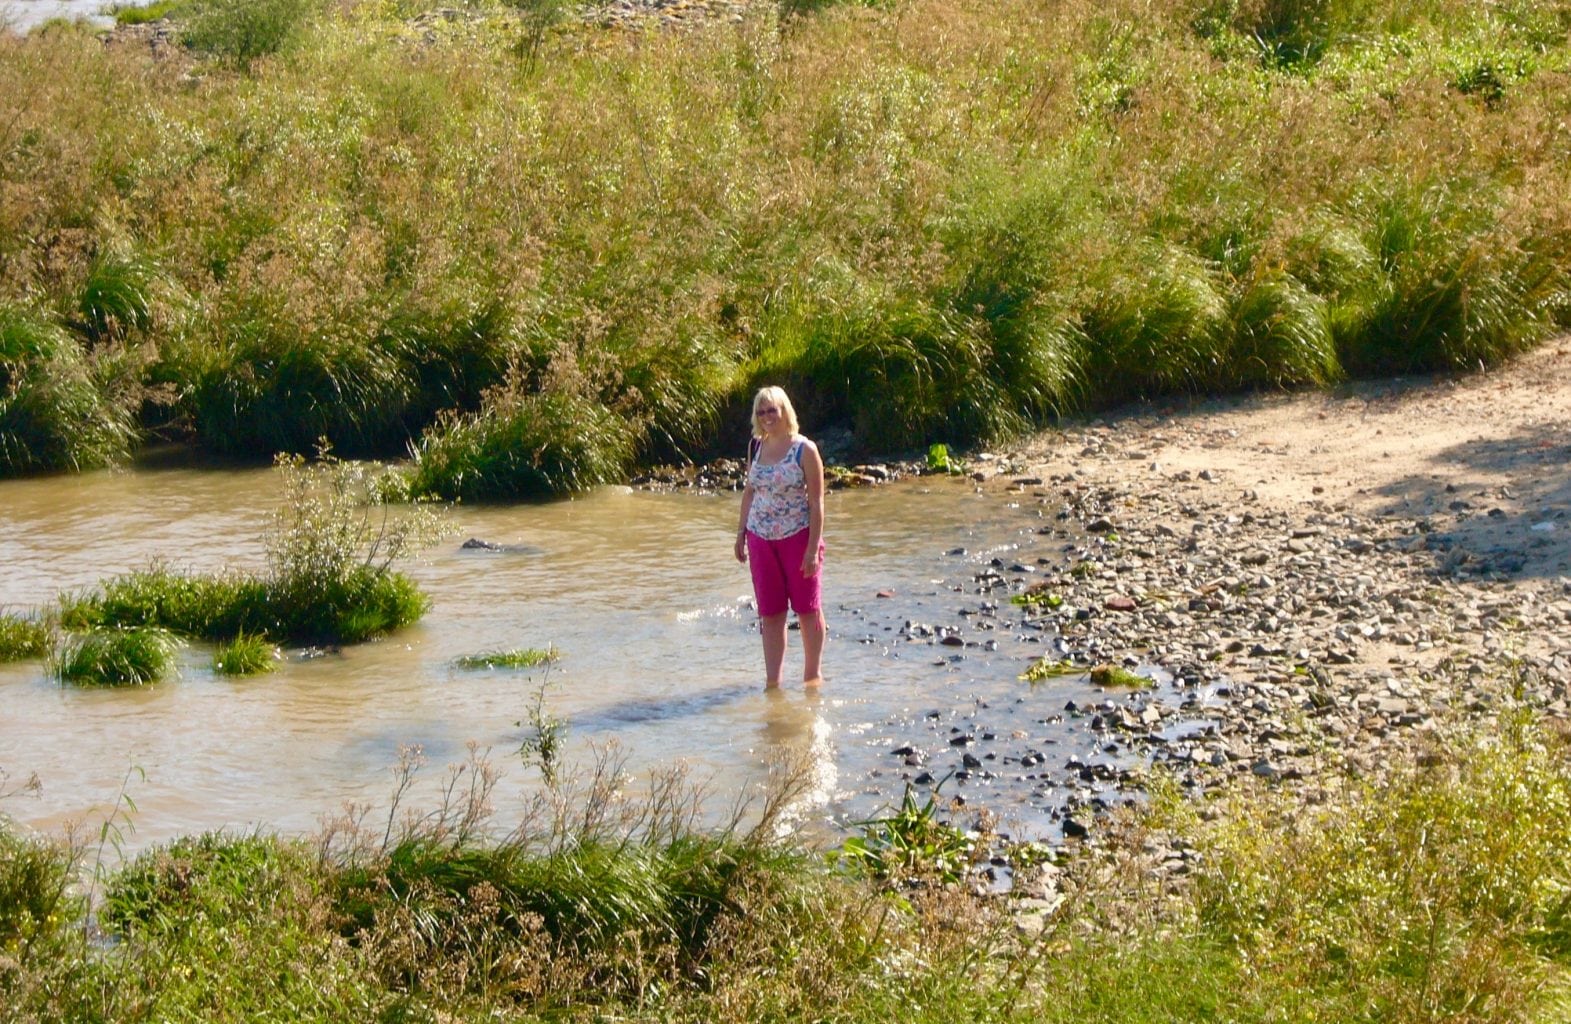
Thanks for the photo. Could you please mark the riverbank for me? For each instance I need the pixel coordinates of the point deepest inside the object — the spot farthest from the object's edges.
(1310, 584)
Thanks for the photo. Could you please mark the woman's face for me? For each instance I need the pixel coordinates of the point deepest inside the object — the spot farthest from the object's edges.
(771, 418)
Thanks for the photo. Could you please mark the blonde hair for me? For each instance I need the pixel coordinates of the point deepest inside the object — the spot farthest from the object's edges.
(781, 402)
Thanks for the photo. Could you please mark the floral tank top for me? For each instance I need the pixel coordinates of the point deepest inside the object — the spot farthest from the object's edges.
(779, 506)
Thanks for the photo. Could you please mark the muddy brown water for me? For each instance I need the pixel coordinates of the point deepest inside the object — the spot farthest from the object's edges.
(638, 592)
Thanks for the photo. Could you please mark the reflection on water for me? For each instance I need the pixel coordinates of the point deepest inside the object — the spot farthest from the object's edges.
(638, 592)
(22, 15)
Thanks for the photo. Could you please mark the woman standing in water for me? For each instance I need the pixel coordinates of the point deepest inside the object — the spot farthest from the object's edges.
(780, 534)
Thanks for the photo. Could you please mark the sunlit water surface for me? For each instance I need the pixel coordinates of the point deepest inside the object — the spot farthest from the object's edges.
(639, 592)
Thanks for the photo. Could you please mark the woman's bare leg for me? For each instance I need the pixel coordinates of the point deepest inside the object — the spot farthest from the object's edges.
(773, 628)
(812, 647)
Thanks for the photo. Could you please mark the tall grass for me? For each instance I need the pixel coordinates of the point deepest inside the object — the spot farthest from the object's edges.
(934, 221)
(54, 410)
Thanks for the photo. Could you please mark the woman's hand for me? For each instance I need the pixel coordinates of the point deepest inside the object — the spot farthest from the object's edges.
(741, 548)
(811, 560)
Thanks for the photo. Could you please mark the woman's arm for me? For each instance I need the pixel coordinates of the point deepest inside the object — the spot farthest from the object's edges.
(741, 524)
(813, 478)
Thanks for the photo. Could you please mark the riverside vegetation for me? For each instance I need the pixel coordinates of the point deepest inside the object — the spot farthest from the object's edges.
(1436, 891)
(533, 252)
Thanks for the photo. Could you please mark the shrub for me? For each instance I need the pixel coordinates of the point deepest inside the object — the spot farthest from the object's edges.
(240, 30)
(117, 657)
(521, 445)
(23, 638)
(53, 412)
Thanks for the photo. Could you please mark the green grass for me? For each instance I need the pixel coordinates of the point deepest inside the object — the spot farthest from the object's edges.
(522, 657)
(22, 637)
(133, 656)
(245, 655)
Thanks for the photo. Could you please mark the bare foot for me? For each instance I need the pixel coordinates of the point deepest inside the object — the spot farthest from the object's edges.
(771, 684)
(813, 683)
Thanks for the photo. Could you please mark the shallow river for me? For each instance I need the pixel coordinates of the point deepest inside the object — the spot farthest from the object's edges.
(638, 591)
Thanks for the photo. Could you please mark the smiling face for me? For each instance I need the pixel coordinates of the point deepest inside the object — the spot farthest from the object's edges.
(772, 413)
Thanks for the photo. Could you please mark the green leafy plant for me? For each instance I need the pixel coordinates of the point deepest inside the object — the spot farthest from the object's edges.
(1050, 668)
(911, 845)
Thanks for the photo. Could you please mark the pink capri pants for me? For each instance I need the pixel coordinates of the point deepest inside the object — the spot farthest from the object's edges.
(777, 574)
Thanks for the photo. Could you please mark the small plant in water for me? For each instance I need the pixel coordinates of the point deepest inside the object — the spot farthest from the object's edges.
(543, 745)
(523, 657)
(246, 655)
(117, 657)
(1113, 675)
(1045, 668)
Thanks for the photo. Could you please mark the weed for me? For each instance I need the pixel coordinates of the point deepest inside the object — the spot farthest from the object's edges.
(1049, 668)
(543, 744)
(133, 656)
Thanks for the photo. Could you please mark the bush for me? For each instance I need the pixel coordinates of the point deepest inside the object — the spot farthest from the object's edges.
(23, 638)
(117, 657)
(198, 606)
(54, 413)
(240, 30)
(521, 445)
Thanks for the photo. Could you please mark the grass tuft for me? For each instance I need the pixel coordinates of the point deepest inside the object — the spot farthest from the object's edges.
(522, 445)
(117, 657)
(22, 637)
(523, 657)
(245, 655)
(54, 414)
